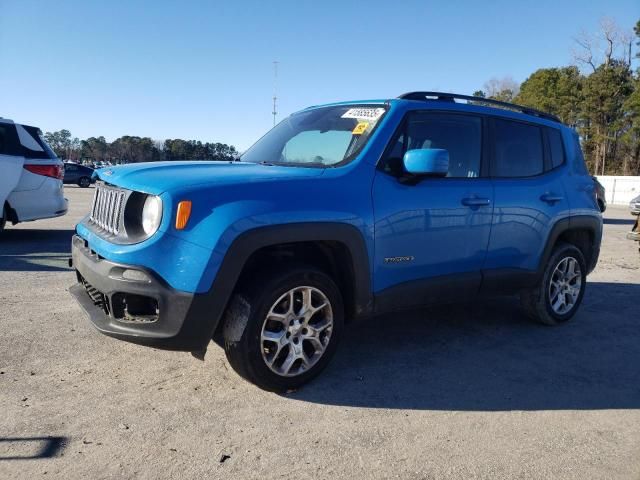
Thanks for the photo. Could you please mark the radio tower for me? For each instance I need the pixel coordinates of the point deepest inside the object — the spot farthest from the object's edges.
(275, 97)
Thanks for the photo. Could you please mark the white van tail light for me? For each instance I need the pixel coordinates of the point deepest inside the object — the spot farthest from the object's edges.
(53, 171)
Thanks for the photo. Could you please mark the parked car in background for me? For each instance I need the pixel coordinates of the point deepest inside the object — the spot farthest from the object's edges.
(78, 174)
(634, 206)
(600, 195)
(634, 234)
(340, 212)
(30, 176)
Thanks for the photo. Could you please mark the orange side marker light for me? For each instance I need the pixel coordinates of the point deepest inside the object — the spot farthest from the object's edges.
(182, 216)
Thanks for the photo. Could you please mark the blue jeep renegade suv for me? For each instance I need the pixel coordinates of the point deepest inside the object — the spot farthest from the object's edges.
(341, 211)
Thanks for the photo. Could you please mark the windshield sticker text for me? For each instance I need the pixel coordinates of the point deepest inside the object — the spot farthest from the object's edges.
(364, 113)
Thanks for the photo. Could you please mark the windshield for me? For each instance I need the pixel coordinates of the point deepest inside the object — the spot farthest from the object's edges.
(322, 137)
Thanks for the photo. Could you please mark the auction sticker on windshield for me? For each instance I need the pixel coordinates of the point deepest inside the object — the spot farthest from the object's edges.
(361, 127)
(364, 113)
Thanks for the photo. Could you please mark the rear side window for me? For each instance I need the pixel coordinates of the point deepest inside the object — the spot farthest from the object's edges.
(518, 149)
(556, 148)
(8, 139)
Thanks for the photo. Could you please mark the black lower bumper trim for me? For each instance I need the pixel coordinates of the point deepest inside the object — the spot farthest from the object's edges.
(102, 285)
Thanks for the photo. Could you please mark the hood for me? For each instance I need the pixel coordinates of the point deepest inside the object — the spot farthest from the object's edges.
(158, 177)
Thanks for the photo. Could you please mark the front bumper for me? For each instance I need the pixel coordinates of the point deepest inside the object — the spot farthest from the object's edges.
(134, 304)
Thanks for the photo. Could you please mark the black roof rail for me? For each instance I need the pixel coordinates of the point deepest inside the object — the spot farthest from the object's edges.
(451, 97)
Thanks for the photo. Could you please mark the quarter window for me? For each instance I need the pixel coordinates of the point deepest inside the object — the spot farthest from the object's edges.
(33, 144)
(555, 146)
(518, 149)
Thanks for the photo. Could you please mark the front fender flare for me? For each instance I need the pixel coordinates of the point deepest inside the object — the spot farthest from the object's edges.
(209, 307)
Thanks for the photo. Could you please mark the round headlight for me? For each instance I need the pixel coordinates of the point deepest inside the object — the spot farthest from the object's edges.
(151, 214)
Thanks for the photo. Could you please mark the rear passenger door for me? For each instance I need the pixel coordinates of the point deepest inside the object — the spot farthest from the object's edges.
(11, 161)
(527, 166)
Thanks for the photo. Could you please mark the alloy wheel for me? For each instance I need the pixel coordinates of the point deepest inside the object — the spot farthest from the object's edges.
(296, 331)
(565, 285)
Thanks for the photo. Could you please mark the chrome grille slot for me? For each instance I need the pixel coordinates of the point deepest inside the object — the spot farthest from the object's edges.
(107, 208)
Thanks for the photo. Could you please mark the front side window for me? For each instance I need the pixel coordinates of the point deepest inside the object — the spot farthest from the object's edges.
(321, 137)
(517, 149)
(460, 135)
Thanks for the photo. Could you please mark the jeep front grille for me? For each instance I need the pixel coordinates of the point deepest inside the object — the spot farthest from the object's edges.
(107, 208)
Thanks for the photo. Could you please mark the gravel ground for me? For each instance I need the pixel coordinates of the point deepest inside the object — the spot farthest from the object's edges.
(469, 391)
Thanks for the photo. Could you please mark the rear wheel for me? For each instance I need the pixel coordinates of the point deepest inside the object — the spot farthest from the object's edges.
(559, 293)
(84, 182)
(3, 219)
(282, 330)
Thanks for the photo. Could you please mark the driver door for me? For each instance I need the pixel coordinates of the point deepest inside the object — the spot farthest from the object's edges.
(431, 233)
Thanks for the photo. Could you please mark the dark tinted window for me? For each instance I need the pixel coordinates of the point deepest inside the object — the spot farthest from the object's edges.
(460, 135)
(8, 139)
(33, 144)
(518, 149)
(556, 148)
(70, 168)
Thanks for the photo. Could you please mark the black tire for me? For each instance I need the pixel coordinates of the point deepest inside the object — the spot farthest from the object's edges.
(3, 219)
(84, 182)
(247, 313)
(536, 302)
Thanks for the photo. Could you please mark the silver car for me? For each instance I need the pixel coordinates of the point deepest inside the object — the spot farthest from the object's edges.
(634, 206)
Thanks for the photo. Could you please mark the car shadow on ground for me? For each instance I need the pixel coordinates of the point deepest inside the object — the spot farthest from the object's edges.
(487, 356)
(32, 250)
(30, 448)
(619, 221)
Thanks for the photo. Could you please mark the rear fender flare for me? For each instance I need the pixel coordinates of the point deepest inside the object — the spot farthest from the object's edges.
(590, 223)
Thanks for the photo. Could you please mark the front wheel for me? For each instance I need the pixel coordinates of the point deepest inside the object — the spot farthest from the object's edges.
(559, 293)
(84, 182)
(281, 330)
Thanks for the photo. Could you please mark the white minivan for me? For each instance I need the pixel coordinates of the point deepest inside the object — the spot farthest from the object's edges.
(30, 176)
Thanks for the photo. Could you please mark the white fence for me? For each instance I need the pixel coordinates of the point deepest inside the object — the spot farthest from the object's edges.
(620, 190)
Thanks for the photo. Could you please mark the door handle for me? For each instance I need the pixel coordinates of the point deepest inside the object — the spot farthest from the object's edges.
(475, 202)
(551, 198)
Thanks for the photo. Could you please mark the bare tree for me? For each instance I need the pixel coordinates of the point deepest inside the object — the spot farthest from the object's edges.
(611, 34)
(505, 88)
(583, 53)
(626, 39)
(608, 44)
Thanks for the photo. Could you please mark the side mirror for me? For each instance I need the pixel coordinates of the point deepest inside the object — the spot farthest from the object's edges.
(427, 161)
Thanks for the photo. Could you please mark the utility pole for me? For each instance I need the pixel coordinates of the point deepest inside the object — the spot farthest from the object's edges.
(275, 97)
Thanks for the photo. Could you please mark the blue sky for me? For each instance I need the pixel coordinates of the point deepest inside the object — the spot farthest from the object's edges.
(203, 70)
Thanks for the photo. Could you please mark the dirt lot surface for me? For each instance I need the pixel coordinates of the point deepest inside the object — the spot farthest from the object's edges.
(469, 391)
